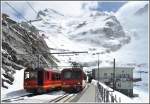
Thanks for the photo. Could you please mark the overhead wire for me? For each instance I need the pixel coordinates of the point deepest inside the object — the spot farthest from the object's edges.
(39, 16)
(37, 13)
(31, 7)
(21, 14)
(26, 18)
(16, 11)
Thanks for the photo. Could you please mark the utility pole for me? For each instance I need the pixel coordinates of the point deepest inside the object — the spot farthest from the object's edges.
(98, 67)
(114, 79)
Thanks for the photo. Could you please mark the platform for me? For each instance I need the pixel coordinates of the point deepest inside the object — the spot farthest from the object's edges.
(87, 95)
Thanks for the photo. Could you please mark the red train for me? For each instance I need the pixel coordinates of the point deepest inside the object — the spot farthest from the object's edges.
(41, 80)
(73, 79)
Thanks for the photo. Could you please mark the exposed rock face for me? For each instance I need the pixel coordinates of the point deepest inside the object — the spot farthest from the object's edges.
(100, 29)
(94, 28)
(21, 45)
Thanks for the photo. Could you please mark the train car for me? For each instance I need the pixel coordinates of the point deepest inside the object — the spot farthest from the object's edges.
(41, 80)
(73, 79)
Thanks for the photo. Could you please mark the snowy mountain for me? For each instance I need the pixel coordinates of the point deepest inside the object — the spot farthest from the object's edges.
(142, 10)
(93, 28)
(99, 31)
(93, 31)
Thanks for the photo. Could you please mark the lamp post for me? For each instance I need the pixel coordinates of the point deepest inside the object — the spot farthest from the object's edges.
(98, 65)
(114, 79)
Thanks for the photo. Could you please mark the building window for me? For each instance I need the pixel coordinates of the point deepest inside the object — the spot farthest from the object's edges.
(119, 84)
(111, 74)
(105, 75)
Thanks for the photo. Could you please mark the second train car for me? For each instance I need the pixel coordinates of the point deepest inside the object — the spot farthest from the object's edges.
(73, 79)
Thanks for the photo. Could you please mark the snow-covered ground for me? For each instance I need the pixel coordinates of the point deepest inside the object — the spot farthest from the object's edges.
(44, 98)
(16, 89)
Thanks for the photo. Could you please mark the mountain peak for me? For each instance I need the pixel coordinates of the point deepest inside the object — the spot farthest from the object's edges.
(93, 28)
(142, 10)
(48, 12)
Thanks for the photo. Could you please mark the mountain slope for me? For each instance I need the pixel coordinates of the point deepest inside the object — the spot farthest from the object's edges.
(96, 29)
(20, 45)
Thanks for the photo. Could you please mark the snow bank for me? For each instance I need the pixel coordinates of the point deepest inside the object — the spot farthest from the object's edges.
(17, 88)
(143, 96)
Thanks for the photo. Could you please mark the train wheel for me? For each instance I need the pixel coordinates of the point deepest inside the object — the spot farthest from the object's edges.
(40, 90)
(49, 90)
(78, 89)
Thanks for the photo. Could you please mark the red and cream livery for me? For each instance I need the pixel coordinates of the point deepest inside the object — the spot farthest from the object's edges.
(73, 79)
(41, 80)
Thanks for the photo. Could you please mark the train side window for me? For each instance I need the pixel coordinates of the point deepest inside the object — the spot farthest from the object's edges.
(56, 76)
(48, 75)
(105, 75)
(53, 76)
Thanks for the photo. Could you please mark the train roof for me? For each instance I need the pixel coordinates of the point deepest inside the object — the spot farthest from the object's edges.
(45, 69)
(53, 70)
(74, 69)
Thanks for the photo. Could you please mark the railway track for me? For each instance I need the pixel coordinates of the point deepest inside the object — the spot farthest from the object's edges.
(18, 97)
(63, 98)
(68, 97)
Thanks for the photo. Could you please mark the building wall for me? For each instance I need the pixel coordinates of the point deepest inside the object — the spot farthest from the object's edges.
(122, 76)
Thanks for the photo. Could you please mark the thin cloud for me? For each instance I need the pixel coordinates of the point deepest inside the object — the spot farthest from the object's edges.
(72, 8)
(130, 8)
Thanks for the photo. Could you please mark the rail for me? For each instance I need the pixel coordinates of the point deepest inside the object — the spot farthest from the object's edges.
(63, 98)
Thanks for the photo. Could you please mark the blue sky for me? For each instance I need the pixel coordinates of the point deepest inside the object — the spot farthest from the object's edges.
(110, 6)
(106, 6)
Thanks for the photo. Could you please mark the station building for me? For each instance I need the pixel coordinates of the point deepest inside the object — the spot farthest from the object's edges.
(120, 78)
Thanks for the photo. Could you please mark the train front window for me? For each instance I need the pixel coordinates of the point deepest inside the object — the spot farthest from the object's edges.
(72, 75)
(76, 75)
(67, 75)
(26, 75)
(30, 75)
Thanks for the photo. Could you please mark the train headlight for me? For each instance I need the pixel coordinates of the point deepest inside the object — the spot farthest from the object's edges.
(78, 83)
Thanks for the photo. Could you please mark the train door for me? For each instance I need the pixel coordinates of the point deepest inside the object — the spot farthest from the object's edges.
(40, 77)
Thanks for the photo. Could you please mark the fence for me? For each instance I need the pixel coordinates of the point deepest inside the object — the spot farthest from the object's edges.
(104, 95)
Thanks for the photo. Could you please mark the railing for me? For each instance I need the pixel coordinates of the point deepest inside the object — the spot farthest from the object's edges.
(106, 95)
